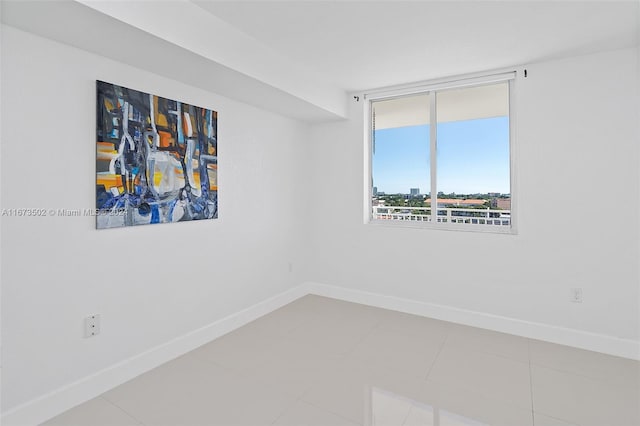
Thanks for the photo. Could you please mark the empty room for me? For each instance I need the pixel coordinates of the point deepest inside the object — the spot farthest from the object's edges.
(405, 213)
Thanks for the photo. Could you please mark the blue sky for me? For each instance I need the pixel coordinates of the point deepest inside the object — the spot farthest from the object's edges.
(473, 157)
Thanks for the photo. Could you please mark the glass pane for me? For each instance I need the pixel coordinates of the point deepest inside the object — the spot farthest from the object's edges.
(473, 178)
(400, 161)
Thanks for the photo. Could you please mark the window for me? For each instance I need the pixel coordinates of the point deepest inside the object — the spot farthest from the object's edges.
(441, 155)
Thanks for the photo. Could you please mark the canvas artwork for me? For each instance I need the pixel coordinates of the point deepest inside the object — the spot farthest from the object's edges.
(156, 159)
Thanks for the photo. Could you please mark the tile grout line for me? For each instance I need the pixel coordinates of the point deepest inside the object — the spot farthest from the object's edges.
(500, 355)
(404, 421)
(284, 411)
(582, 375)
(533, 415)
(603, 380)
(121, 409)
(444, 341)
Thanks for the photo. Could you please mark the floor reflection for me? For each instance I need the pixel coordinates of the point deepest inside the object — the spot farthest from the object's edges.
(385, 408)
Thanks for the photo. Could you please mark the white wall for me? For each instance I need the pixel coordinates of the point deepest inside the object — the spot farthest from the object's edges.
(577, 152)
(150, 283)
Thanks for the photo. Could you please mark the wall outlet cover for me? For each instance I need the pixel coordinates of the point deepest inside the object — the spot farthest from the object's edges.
(92, 325)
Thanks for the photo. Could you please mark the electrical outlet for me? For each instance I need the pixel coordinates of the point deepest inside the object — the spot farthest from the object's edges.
(92, 325)
(576, 295)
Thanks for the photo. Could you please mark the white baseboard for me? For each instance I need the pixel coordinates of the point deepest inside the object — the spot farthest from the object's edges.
(50, 405)
(625, 348)
(47, 406)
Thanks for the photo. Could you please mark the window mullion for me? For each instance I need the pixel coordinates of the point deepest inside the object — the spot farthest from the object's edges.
(432, 156)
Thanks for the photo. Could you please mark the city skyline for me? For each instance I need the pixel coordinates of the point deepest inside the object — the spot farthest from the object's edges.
(440, 193)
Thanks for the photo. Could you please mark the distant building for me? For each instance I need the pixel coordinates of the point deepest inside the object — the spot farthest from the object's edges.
(375, 190)
(501, 203)
(414, 192)
(457, 202)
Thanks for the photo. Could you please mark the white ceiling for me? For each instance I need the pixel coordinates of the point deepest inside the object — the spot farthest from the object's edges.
(359, 45)
(299, 58)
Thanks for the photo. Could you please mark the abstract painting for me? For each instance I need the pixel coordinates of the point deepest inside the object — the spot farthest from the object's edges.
(156, 159)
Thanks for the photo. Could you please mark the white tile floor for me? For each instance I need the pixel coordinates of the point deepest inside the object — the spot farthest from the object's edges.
(323, 362)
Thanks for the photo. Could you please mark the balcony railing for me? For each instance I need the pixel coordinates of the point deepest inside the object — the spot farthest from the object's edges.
(445, 215)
